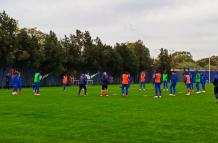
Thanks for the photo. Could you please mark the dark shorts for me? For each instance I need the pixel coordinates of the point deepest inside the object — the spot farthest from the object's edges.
(104, 87)
(216, 91)
(82, 86)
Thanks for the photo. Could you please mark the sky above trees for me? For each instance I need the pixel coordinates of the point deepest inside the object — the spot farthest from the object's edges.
(176, 25)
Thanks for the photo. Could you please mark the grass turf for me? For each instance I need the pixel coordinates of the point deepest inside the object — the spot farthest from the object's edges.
(62, 117)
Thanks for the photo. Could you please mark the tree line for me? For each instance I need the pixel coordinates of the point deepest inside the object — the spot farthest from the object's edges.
(30, 48)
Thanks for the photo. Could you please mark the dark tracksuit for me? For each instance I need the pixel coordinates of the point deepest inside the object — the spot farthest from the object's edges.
(215, 83)
(104, 82)
(203, 81)
(174, 80)
(192, 81)
(82, 83)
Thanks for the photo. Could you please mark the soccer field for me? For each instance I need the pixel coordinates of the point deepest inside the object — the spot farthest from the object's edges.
(63, 117)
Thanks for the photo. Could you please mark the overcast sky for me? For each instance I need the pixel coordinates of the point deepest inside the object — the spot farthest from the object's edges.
(190, 25)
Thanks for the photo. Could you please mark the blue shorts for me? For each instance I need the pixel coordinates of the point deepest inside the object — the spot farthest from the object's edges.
(188, 86)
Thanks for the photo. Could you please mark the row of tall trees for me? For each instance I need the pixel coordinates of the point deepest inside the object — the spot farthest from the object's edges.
(183, 59)
(31, 48)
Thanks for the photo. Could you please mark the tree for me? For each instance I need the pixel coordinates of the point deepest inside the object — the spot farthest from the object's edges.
(54, 58)
(33, 32)
(129, 59)
(27, 51)
(8, 28)
(204, 63)
(72, 52)
(142, 54)
(22, 47)
(164, 61)
(114, 63)
(90, 54)
(182, 58)
(31, 48)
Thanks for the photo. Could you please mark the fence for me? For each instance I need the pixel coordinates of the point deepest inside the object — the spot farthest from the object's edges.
(55, 80)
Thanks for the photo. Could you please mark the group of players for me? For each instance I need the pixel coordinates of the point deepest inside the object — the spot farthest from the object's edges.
(189, 79)
(158, 79)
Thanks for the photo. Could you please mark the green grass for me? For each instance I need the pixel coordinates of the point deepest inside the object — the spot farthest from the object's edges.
(63, 117)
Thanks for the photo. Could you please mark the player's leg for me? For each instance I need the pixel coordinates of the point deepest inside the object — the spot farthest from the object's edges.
(33, 87)
(106, 90)
(167, 85)
(127, 90)
(191, 86)
(14, 91)
(140, 86)
(144, 86)
(174, 89)
(198, 88)
(203, 87)
(156, 89)
(123, 89)
(85, 89)
(36, 88)
(188, 89)
(102, 88)
(159, 89)
(216, 93)
(65, 85)
(171, 89)
(80, 88)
